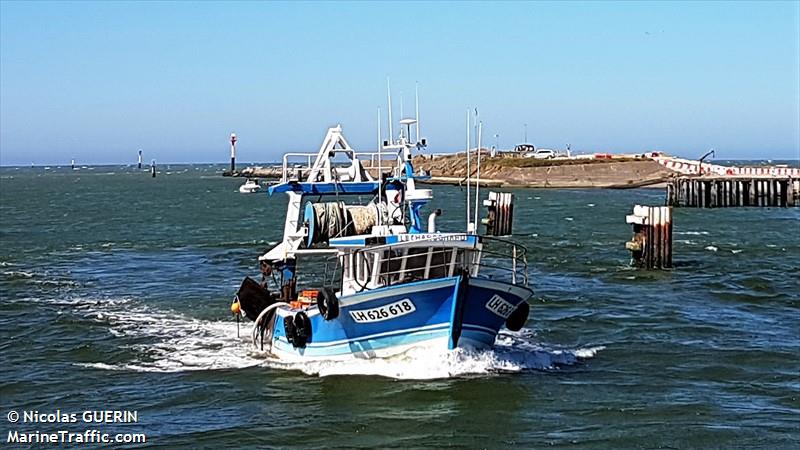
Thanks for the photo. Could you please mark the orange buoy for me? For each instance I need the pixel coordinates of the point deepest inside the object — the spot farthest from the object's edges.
(235, 307)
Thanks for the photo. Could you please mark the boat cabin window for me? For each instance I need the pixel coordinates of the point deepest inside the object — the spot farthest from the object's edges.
(420, 263)
(364, 270)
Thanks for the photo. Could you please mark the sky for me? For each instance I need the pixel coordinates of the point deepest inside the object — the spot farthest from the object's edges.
(95, 82)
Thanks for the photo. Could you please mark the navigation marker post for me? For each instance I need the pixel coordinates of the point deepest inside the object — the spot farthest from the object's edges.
(233, 152)
(140, 159)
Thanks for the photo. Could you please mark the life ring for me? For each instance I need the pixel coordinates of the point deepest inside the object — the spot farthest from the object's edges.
(517, 319)
(298, 329)
(328, 304)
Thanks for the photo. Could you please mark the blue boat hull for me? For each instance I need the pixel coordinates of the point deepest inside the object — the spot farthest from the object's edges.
(452, 312)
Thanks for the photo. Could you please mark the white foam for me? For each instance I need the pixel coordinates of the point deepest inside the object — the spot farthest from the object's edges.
(510, 355)
(712, 248)
(18, 274)
(176, 343)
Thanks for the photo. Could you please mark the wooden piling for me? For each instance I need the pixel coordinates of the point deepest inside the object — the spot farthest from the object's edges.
(651, 245)
(500, 213)
(729, 192)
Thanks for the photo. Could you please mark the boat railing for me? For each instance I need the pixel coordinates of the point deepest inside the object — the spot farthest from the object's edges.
(297, 166)
(378, 161)
(494, 259)
(293, 168)
(332, 276)
(504, 258)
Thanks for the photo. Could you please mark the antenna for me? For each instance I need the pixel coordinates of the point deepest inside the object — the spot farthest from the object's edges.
(478, 174)
(468, 177)
(378, 129)
(416, 107)
(475, 124)
(389, 96)
(380, 147)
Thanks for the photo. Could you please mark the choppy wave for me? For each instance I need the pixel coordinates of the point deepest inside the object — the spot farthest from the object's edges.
(18, 274)
(35, 278)
(179, 343)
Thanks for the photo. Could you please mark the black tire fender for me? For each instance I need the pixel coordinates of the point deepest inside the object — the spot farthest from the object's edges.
(302, 329)
(288, 327)
(517, 319)
(328, 304)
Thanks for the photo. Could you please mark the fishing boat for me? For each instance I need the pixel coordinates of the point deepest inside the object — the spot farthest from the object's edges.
(371, 279)
(250, 186)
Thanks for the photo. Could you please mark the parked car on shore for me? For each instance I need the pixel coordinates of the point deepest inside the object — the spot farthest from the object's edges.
(524, 148)
(541, 153)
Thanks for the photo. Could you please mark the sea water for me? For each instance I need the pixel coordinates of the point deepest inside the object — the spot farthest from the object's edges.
(115, 291)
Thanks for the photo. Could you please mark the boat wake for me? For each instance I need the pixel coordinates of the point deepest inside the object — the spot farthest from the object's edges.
(165, 342)
(511, 354)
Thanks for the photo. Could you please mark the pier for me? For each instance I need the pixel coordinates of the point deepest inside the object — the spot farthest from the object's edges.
(736, 191)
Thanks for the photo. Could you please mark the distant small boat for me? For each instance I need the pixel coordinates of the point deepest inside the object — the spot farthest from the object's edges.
(249, 187)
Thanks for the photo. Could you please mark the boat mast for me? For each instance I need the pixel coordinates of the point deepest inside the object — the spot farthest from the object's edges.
(416, 107)
(389, 96)
(380, 145)
(478, 174)
(468, 177)
(401, 113)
